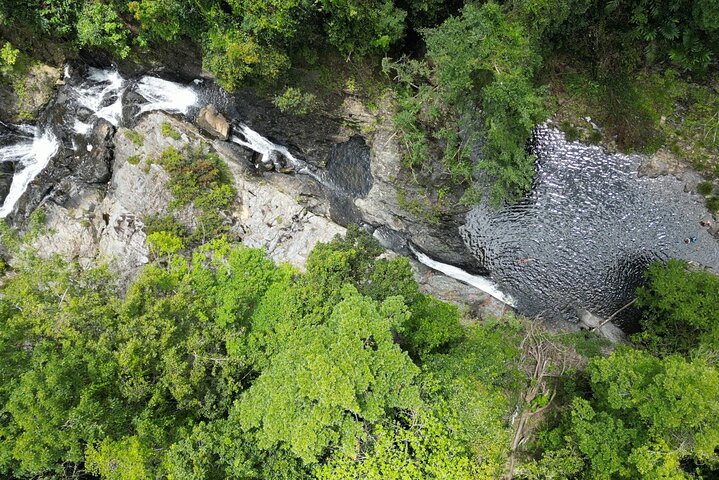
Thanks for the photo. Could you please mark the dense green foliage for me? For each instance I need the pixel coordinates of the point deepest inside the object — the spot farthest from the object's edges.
(470, 75)
(223, 365)
(680, 309)
(651, 413)
(646, 418)
(216, 363)
(202, 180)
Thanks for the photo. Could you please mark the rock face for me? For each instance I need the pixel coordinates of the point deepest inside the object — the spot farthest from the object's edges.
(213, 122)
(96, 166)
(664, 163)
(7, 170)
(105, 223)
(661, 163)
(97, 201)
(382, 206)
(37, 88)
(606, 328)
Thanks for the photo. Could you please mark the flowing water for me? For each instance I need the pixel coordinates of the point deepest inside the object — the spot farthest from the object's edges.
(586, 232)
(29, 149)
(582, 237)
(101, 94)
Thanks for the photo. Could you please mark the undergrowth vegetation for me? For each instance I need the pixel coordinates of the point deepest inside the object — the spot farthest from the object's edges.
(202, 180)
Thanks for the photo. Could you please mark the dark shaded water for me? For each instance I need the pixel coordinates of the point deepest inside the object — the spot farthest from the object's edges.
(587, 231)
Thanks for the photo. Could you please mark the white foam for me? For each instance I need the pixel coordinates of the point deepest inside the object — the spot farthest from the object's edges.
(81, 128)
(30, 164)
(113, 112)
(482, 283)
(164, 95)
(256, 142)
(22, 150)
(104, 84)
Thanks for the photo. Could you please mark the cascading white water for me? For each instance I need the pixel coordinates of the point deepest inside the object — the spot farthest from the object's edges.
(32, 158)
(481, 283)
(101, 92)
(164, 95)
(101, 85)
(257, 143)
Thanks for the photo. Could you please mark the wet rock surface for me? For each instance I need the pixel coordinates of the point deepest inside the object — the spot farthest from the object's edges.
(92, 224)
(96, 166)
(7, 169)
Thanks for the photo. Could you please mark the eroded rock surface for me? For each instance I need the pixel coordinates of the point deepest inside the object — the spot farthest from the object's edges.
(96, 224)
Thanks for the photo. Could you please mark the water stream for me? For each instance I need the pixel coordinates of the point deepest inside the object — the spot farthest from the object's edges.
(101, 94)
(582, 237)
(30, 152)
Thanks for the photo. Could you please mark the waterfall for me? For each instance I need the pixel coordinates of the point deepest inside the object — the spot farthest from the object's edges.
(93, 94)
(481, 283)
(166, 96)
(32, 158)
(99, 95)
(256, 142)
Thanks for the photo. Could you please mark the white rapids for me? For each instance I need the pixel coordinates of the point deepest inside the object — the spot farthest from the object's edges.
(256, 142)
(479, 282)
(94, 93)
(101, 93)
(164, 95)
(31, 158)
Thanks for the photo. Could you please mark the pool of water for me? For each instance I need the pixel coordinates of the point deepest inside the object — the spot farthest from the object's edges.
(587, 230)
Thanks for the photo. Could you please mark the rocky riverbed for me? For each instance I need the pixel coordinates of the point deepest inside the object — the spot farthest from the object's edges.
(99, 189)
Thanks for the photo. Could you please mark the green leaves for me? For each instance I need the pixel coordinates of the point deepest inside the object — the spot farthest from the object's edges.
(222, 365)
(99, 25)
(648, 418)
(331, 380)
(684, 398)
(422, 446)
(679, 309)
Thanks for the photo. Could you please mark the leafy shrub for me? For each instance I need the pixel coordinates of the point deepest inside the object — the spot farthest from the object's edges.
(233, 55)
(482, 58)
(8, 57)
(679, 309)
(135, 137)
(201, 179)
(164, 223)
(99, 25)
(705, 188)
(713, 204)
(164, 243)
(295, 101)
(159, 19)
(168, 131)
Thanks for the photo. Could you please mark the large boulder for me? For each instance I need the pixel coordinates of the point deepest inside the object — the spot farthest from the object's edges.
(213, 122)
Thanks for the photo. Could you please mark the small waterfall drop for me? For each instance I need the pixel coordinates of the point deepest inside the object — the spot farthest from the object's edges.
(257, 143)
(165, 95)
(101, 93)
(481, 283)
(31, 160)
(98, 95)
